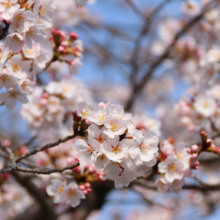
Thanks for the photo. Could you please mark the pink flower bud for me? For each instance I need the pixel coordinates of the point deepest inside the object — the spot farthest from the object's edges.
(61, 49)
(6, 142)
(81, 187)
(194, 148)
(87, 184)
(194, 156)
(85, 191)
(73, 36)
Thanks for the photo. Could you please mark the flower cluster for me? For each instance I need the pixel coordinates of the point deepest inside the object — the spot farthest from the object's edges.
(26, 49)
(196, 113)
(70, 14)
(113, 144)
(48, 108)
(10, 201)
(63, 193)
(67, 48)
(174, 165)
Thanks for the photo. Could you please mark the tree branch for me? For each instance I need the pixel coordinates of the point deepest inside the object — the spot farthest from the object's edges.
(16, 167)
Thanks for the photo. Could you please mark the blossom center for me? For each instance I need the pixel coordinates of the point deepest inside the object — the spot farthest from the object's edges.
(8, 5)
(100, 139)
(102, 157)
(4, 78)
(19, 18)
(114, 126)
(16, 40)
(206, 104)
(59, 189)
(172, 168)
(13, 94)
(16, 67)
(116, 149)
(72, 192)
(84, 113)
(44, 11)
(29, 51)
(89, 149)
(144, 146)
(101, 117)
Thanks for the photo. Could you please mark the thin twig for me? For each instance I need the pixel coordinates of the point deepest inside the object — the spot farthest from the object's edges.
(47, 146)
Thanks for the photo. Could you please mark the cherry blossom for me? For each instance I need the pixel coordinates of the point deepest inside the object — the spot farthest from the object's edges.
(14, 41)
(11, 97)
(8, 8)
(172, 168)
(18, 67)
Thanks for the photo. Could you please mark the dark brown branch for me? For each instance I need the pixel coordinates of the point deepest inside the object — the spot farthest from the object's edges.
(16, 167)
(46, 171)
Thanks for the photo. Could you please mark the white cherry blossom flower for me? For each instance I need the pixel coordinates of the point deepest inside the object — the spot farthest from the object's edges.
(36, 34)
(84, 109)
(172, 167)
(7, 80)
(177, 185)
(8, 8)
(45, 10)
(14, 42)
(75, 64)
(190, 8)
(98, 116)
(18, 67)
(114, 126)
(97, 133)
(57, 189)
(162, 184)
(32, 53)
(145, 146)
(113, 169)
(26, 86)
(101, 160)
(183, 155)
(4, 51)
(74, 194)
(114, 149)
(11, 97)
(22, 20)
(213, 55)
(205, 105)
(89, 150)
(125, 178)
(45, 54)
